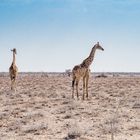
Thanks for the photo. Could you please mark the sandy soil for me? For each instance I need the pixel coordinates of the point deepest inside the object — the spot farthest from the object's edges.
(42, 109)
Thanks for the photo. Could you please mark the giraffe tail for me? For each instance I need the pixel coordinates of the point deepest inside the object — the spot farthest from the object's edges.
(73, 82)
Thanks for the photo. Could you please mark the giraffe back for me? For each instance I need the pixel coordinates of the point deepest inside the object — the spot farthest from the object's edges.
(79, 71)
(13, 71)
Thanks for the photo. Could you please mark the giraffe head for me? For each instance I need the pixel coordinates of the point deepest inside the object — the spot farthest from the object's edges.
(14, 50)
(98, 46)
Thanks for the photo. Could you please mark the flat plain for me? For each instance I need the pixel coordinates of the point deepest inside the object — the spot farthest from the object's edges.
(42, 108)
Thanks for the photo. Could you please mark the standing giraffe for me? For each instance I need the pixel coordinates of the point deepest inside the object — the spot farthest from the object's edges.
(82, 71)
(13, 70)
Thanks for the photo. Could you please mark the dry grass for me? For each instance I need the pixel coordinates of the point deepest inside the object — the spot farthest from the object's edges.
(42, 108)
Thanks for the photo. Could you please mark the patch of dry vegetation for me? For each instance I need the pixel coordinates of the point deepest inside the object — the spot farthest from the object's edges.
(42, 108)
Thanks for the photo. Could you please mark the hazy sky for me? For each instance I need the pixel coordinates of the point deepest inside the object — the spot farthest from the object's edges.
(54, 35)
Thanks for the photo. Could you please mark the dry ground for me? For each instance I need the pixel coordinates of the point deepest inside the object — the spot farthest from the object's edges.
(42, 109)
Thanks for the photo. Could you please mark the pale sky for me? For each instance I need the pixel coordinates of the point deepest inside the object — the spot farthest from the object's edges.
(54, 35)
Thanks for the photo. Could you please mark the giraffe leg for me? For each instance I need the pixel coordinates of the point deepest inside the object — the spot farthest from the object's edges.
(73, 92)
(12, 84)
(87, 80)
(15, 85)
(77, 83)
(83, 88)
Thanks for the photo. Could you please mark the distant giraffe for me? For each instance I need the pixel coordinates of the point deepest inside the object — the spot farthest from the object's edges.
(13, 70)
(82, 71)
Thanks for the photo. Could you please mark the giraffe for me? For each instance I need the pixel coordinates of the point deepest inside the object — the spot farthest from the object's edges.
(82, 71)
(13, 70)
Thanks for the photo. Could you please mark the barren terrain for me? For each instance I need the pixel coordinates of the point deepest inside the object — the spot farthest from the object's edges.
(42, 108)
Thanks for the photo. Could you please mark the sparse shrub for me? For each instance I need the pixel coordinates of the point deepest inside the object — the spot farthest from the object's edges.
(73, 134)
(34, 128)
(101, 76)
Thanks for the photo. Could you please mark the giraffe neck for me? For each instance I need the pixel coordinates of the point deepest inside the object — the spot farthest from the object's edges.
(92, 53)
(87, 62)
(14, 58)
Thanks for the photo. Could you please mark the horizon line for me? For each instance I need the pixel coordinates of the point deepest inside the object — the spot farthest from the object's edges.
(65, 72)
